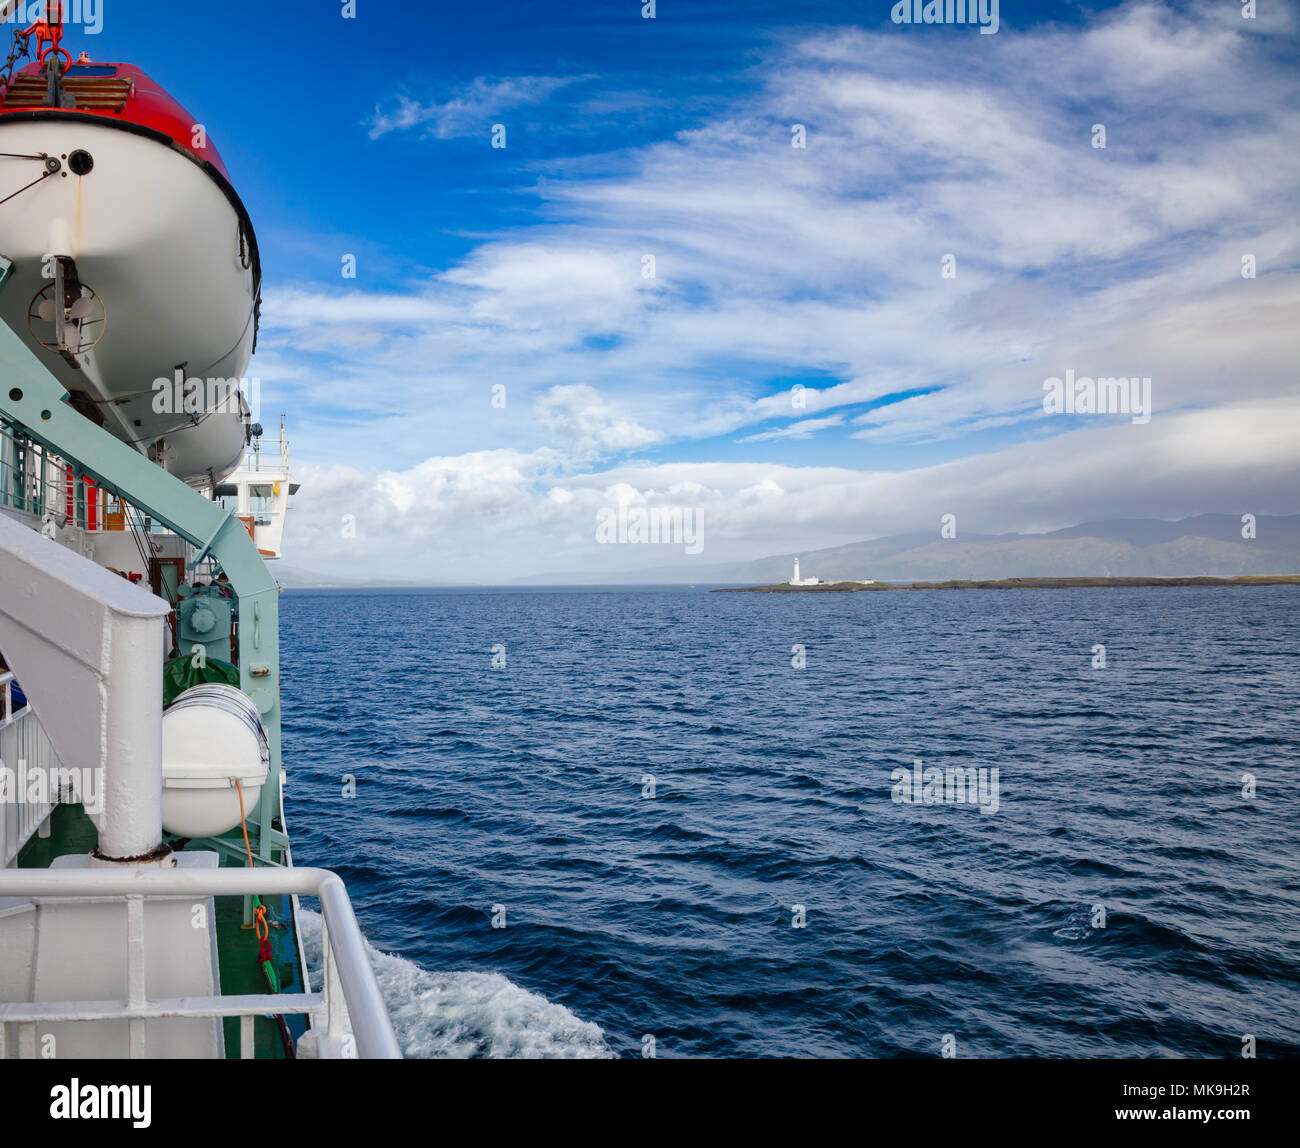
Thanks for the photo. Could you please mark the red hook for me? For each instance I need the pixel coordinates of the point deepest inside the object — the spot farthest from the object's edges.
(48, 34)
(54, 48)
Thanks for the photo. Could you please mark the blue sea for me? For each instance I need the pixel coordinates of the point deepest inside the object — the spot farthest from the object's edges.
(683, 808)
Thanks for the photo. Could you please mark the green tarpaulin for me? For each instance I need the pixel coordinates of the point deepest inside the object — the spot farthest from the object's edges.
(181, 673)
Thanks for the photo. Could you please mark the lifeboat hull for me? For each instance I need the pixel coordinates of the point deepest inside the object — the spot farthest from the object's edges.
(161, 240)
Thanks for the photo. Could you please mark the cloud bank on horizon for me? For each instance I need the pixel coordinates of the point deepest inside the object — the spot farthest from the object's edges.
(823, 343)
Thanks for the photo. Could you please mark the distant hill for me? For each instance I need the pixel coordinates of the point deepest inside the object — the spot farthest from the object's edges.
(294, 578)
(1208, 544)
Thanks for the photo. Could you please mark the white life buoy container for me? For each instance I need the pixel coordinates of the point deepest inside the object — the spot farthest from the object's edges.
(212, 736)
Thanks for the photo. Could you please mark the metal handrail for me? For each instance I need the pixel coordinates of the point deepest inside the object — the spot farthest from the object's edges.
(24, 745)
(6, 698)
(343, 947)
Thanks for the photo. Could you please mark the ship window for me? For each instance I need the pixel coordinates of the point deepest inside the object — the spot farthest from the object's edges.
(91, 70)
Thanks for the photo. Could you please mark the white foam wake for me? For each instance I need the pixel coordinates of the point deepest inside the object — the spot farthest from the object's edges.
(466, 1014)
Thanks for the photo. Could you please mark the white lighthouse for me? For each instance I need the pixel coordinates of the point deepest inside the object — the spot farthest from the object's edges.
(797, 581)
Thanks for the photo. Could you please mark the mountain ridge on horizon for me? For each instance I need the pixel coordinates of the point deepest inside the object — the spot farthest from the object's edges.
(1205, 544)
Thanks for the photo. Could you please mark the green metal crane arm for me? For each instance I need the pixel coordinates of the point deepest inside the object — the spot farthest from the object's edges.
(32, 399)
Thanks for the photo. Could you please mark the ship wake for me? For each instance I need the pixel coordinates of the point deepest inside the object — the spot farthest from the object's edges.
(466, 1014)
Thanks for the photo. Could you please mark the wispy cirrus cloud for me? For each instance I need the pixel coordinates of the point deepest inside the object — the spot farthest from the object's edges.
(804, 428)
(471, 109)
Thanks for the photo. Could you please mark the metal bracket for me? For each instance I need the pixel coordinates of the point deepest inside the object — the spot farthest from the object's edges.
(32, 399)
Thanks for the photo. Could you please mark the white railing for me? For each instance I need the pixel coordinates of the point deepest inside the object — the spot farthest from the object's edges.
(38, 483)
(348, 977)
(25, 750)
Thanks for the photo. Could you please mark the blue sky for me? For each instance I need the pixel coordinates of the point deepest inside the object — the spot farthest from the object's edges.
(774, 265)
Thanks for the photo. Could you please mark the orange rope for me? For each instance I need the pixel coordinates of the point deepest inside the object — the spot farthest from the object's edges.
(243, 823)
(259, 911)
(264, 955)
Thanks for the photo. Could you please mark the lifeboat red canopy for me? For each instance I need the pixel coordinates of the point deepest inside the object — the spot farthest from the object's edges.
(118, 92)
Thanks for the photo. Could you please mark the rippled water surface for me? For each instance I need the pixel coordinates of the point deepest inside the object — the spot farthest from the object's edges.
(1120, 790)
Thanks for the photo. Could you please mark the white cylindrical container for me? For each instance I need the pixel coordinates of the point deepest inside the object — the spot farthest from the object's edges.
(211, 736)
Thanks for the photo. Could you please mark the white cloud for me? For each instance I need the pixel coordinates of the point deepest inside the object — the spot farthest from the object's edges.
(585, 423)
(496, 516)
(471, 110)
(775, 262)
(803, 428)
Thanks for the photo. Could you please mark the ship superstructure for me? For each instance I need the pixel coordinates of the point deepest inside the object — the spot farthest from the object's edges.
(148, 901)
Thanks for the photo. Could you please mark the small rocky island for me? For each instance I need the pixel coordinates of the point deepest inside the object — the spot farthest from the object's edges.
(810, 587)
